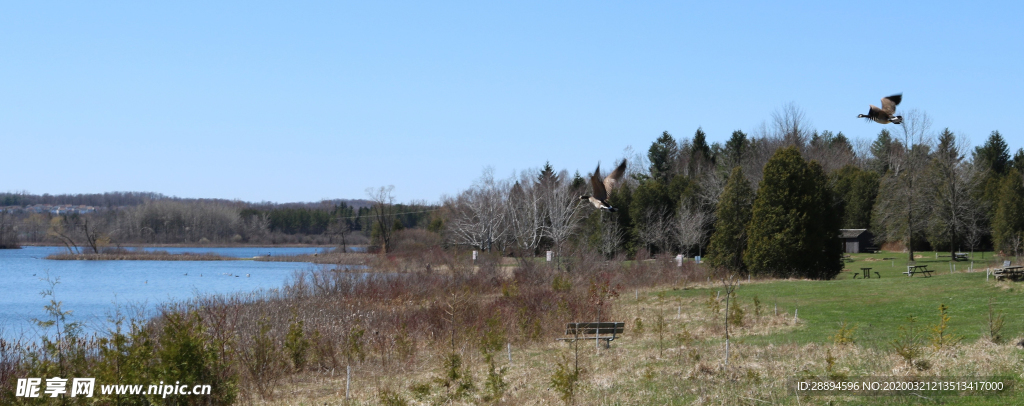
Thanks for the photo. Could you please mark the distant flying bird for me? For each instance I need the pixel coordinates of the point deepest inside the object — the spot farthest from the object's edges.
(886, 114)
(603, 188)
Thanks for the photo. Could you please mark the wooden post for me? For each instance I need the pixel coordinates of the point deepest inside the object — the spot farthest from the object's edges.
(348, 379)
(509, 352)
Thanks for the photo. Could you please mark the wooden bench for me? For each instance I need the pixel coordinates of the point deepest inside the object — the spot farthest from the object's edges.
(922, 269)
(605, 330)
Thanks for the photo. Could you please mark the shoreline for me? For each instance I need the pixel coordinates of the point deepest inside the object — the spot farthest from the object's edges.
(350, 258)
(197, 245)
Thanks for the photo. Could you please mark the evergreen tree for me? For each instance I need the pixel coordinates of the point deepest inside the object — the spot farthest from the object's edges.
(578, 182)
(650, 196)
(1018, 160)
(700, 145)
(953, 194)
(663, 154)
(1008, 223)
(736, 147)
(995, 154)
(880, 150)
(857, 188)
(994, 160)
(700, 154)
(794, 225)
(730, 237)
(547, 175)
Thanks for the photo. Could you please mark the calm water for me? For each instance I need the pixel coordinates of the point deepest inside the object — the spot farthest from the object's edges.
(92, 289)
(249, 252)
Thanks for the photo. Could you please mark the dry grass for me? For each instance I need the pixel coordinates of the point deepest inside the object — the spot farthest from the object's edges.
(691, 369)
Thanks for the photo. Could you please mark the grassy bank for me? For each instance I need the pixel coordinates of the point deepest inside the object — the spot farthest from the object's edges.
(124, 255)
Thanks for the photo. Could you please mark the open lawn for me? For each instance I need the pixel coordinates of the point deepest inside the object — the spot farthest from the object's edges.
(878, 306)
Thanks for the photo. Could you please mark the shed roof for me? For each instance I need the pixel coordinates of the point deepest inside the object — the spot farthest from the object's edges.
(851, 232)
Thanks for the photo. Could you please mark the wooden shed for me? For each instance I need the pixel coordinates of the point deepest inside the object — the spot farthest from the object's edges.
(857, 240)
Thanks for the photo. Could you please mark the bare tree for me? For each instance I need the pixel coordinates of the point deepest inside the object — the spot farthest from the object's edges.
(63, 232)
(730, 282)
(611, 236)
(383, 214)
(712, 183)
(655, 229)
(524, 215)
(977, 229)
(94, 234)
(691, 225)
(564, 211)
(832, 151)
(256, 227)
(902, 207)
(478, 216)
(789, 123)
(340, 228)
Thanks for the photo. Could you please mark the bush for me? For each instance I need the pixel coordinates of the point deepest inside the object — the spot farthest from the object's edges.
(566, 380)
(456, 380)
(262, 360)
(845, 334)
(297, 345)
(907, 343)
(188, 355)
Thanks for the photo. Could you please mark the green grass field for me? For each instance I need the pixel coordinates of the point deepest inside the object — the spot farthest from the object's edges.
(878, 306)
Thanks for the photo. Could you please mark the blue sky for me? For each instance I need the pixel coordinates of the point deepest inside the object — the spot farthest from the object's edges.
(300, 101)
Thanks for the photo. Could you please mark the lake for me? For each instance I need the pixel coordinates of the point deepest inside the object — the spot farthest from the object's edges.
(92, 289)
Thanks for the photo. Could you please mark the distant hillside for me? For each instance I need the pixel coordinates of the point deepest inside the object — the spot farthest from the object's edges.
(127, 199)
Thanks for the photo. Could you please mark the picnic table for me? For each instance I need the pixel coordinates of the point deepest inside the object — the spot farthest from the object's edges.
(1014, 272)
(960, 256)
(922, 269)
(867, 273)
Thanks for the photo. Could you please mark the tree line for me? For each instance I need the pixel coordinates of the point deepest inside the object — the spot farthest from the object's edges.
(199, 221)
(771, 202)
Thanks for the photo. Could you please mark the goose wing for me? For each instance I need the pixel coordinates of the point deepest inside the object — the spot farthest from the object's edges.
(613, 178)
(875, 112)
(595, 183)
(889, 103)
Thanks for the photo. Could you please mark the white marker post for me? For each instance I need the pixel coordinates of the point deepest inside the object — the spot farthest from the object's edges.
(550, 255)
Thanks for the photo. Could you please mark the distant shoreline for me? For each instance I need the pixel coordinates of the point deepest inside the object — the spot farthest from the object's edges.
(208, 245)
(349, 258)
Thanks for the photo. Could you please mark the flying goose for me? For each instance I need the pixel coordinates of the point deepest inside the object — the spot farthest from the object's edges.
(886, 114)
(603, 189)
